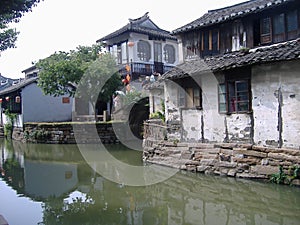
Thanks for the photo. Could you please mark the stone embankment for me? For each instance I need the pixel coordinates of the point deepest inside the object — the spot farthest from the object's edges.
(234, 160)
(63, 133)
(224, 159)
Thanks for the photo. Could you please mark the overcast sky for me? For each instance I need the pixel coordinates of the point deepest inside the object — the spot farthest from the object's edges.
(62, 25)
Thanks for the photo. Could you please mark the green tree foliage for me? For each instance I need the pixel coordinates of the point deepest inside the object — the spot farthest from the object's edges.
(100, 80)
(12, 11)
(95, 75)
(61, 69)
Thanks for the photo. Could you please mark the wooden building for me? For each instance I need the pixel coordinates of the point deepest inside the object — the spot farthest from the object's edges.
(142, 47)
(238, 76)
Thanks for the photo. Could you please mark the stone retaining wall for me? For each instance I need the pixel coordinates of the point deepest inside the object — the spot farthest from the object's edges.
(225, 159)
(63, 133)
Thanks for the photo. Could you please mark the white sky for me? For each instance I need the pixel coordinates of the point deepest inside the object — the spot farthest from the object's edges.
(62, 25)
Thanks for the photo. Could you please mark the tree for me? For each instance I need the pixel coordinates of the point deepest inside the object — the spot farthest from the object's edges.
(95, 75)
(61, 69)
(12, 11)
(100, 80)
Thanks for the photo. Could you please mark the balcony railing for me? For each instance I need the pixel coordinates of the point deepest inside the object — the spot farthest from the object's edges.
(146, 69)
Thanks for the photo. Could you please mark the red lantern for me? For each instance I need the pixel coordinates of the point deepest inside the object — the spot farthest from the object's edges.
(0, 100)
(18, 99)
(130, 44)
(7, 98)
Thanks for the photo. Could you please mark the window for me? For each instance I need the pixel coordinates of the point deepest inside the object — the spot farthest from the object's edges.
(292, 24)
(222, 98)
(12, 103)
(234, 96)
(281, 27)
(169, 54)
(119, 54)
(266, 33)
(210, 42)
(144, 51)
(278, 28)
(238, 96)
(190, 97)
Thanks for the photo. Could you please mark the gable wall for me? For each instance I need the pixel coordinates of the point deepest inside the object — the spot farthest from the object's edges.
(37, 107)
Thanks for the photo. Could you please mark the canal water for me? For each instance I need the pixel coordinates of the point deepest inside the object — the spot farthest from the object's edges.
(53, 184)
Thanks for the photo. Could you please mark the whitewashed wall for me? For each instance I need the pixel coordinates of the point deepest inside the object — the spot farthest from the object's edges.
(37, 107)
(276, 104)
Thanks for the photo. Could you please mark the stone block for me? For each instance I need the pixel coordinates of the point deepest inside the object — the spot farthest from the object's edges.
(264, 170)
(249, 161)
(264, 162)
(277, 163)
(209, 162)
(231, 173)
(283, 157)
(260, 148)
(223, 171)
(192, 168)
(250, 176)
(201, 145)
(186, 156)
(226, 164)
(296, 182)
(202, 169)
(250, 153)
(193, 162)
(182, 144)
(226, 151)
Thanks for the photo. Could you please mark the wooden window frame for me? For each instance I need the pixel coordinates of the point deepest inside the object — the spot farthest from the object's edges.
(144, 51)
(266, 37)
(279, 36)
(292, 34)
(208, 45)
(169, 54)
(235, 100)
(187, 97)
(119, 54)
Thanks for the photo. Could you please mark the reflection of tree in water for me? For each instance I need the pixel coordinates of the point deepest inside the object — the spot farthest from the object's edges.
(113, 205)
(12, 172)
(186, 198)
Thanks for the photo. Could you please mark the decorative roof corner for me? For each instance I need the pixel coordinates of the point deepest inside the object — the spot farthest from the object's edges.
(142, 26)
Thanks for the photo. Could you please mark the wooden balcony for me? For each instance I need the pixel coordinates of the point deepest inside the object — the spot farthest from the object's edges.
(145, 69)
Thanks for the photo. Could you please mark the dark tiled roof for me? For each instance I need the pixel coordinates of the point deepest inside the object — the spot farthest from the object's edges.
(18, 86)
(138, 26)
(229, 13)
(186, 69)
(275, 53)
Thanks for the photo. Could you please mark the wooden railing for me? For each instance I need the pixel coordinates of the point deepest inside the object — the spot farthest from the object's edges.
(147, 69)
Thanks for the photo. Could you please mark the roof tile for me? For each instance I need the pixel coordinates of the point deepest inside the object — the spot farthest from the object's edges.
(232, 12)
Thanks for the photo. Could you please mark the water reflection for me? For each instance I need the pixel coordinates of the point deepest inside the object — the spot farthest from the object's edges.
(72, 193)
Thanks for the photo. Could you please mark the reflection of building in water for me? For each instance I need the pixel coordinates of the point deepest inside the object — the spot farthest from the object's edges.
(215, 200)
(185, 198)
(45, 179)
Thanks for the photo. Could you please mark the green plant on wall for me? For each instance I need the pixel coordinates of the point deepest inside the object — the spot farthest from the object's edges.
(159, 114)
(9, 126)
(283, 178)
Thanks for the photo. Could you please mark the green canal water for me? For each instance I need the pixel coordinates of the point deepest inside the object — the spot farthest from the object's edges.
(53, 184)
